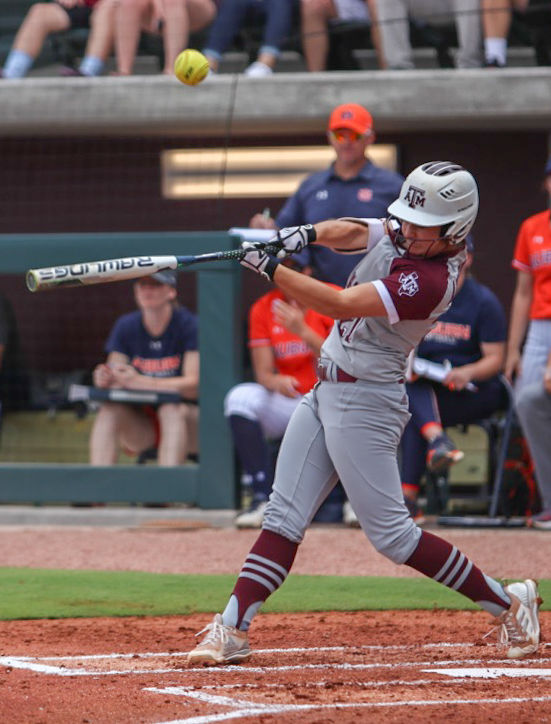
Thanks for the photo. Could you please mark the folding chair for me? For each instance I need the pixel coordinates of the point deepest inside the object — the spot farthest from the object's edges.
(498, 428)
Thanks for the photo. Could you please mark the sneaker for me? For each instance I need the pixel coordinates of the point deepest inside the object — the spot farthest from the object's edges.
(258, 70)
(349, 517)
(68, 71)
(542, 521)
(519, 627)
(253, 517)
(415, 511)
(222, 645)
(441, 454)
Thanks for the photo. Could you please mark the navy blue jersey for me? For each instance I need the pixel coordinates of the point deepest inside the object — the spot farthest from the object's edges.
(324, 195)
(474, 317)
(154, 356)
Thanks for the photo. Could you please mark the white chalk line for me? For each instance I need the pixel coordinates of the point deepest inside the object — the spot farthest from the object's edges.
(243, 708)
(286, 709)
(493, 673)
(30, 665)
(296, 650)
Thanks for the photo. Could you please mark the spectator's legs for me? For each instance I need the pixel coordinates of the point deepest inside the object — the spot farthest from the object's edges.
(315, 15)
(181, 18)
(496, 21)
(394, 31)
(372, 7)
(130, 16)
(469, 33)
(41, 20)
(173, 441)
(101, 38)
(118, 424)
(533, 406)
(279, 24)
(229, 20)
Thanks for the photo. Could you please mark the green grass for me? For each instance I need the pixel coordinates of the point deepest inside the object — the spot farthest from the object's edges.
(41, 593)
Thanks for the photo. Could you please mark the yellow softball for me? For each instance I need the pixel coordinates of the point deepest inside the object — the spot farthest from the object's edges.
(191, 67)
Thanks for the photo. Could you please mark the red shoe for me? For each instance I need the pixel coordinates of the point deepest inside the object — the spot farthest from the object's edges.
(442, 454)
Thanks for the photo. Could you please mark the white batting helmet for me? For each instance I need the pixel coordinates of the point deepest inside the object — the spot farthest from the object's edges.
(439, 193)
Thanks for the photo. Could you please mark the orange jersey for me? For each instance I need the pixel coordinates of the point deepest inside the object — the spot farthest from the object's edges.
(533, 254)
(292, 355)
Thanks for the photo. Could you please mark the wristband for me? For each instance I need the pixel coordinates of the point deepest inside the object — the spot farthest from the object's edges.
(271, 265)
(311, 233)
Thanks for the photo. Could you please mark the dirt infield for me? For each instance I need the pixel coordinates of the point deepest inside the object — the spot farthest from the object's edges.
(312, 668)
(308, 668)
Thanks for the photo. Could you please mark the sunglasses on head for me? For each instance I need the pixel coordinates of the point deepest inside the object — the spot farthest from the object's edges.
(341, 135)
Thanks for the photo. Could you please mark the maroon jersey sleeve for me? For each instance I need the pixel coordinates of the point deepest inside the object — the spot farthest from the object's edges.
(416, 286)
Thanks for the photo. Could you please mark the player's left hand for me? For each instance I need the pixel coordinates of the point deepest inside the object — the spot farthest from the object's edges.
(258, 261)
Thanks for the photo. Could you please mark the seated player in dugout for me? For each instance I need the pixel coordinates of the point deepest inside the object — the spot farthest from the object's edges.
(471, 336)
(152, 348)
(285, 340)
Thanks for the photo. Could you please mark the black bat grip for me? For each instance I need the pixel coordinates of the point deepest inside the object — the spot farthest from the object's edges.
(240, 253)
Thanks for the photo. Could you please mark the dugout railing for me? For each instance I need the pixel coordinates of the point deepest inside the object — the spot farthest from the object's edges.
(211, 482)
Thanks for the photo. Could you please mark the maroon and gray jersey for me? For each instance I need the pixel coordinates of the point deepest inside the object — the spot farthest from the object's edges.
(414, 291)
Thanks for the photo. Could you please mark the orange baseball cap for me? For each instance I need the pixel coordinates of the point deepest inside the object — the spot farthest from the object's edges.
(351, 115)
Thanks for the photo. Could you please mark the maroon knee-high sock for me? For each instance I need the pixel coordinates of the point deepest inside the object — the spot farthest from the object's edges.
(443, 562)
(265, 568)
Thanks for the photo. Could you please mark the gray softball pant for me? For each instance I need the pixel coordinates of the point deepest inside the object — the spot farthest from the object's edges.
(533, 405)
(348, 431)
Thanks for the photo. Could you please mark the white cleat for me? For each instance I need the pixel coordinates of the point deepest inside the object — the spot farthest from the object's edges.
(252, 518)
(349, 517)
(519, 627)
(222, 645)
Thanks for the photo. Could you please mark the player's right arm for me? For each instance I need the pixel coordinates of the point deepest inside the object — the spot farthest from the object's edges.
(520, 316)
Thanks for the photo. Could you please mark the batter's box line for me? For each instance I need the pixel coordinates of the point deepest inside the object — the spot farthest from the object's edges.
(250, 709)
(29, 665)
(293, 650)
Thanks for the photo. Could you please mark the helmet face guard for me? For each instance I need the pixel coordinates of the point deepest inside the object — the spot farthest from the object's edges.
(439, 193)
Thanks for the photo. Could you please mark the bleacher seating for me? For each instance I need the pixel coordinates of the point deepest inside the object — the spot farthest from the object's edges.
(350, 47)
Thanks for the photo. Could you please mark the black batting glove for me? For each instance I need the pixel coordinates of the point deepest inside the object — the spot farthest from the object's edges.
(258, 261)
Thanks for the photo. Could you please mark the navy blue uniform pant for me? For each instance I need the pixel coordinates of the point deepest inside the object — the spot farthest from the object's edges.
(432, 402)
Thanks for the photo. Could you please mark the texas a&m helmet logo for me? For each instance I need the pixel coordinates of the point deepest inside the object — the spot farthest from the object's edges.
(408, 284)
(415, 197)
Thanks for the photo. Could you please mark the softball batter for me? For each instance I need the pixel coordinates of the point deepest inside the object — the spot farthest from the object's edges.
(350, 424)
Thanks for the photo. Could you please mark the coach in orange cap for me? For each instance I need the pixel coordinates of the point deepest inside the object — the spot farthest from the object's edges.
(352, 186)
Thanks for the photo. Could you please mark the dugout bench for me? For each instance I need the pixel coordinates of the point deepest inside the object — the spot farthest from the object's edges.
(210, 484)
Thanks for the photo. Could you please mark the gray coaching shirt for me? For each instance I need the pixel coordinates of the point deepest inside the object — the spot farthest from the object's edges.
(415, 293)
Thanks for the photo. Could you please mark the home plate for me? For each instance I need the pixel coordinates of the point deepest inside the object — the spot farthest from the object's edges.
(490, 673)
